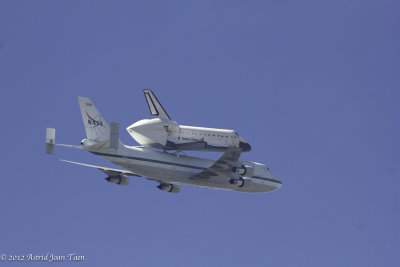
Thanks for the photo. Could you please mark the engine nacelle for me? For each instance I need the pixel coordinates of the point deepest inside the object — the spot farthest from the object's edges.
(241, 182)
(169, 188)
(240, 170)
(246, 171)
(118, 179)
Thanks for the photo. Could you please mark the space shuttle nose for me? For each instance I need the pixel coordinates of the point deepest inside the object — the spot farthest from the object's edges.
(244, 146)
(143, 126)
(138, 127)
(149, 132)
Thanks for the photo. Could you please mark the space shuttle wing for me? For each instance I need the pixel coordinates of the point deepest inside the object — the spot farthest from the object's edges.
(156, 109)
(222, 168)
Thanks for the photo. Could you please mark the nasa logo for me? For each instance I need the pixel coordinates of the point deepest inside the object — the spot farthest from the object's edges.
(94, 122)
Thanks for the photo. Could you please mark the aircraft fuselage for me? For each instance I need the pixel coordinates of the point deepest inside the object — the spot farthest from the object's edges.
(168, 135)
(178, 169)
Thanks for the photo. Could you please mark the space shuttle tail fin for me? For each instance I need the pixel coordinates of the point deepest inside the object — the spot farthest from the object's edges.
(96, 127)
(156, 109)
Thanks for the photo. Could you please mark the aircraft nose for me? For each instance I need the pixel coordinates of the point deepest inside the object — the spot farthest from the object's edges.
(272, 176)
(244, 146)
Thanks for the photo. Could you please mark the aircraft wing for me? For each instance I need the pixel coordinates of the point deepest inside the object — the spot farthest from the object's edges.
(156, 109)
(222, 168)
(106, 170)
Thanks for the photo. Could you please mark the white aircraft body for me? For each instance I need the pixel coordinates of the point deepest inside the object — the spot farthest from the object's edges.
(170, 170)
(164, 133)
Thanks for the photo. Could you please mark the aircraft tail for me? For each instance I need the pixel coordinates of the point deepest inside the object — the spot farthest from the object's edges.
(96, 127)
(156, 109)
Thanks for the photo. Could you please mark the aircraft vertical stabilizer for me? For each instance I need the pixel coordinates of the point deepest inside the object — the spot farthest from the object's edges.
(96, 127)
(156, 109)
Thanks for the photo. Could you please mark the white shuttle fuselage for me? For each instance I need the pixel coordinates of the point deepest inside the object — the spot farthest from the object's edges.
(164, 133)
(168, 135)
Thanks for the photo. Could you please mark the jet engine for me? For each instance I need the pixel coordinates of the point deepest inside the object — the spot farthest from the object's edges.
(169, 188)
(241, 182)
(246, 171)
(118, 179)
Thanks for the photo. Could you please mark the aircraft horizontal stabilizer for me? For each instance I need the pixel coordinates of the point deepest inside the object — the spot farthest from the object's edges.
(51, 141)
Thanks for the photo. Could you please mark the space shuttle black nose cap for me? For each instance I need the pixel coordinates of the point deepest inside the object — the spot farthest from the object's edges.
(244, 146)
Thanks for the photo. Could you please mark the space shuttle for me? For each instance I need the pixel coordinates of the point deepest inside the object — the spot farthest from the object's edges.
(162, 132)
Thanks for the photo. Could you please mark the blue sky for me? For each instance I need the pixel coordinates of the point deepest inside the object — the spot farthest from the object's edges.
(313, 86)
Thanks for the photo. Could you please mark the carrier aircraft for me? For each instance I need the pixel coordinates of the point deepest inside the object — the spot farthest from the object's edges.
(169, 170)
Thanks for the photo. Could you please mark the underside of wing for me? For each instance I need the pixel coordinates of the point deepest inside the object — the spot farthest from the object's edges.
(106, 170)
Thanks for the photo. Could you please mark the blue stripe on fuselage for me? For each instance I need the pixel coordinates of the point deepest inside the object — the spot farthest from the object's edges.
(172, 163)
(149, 160)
